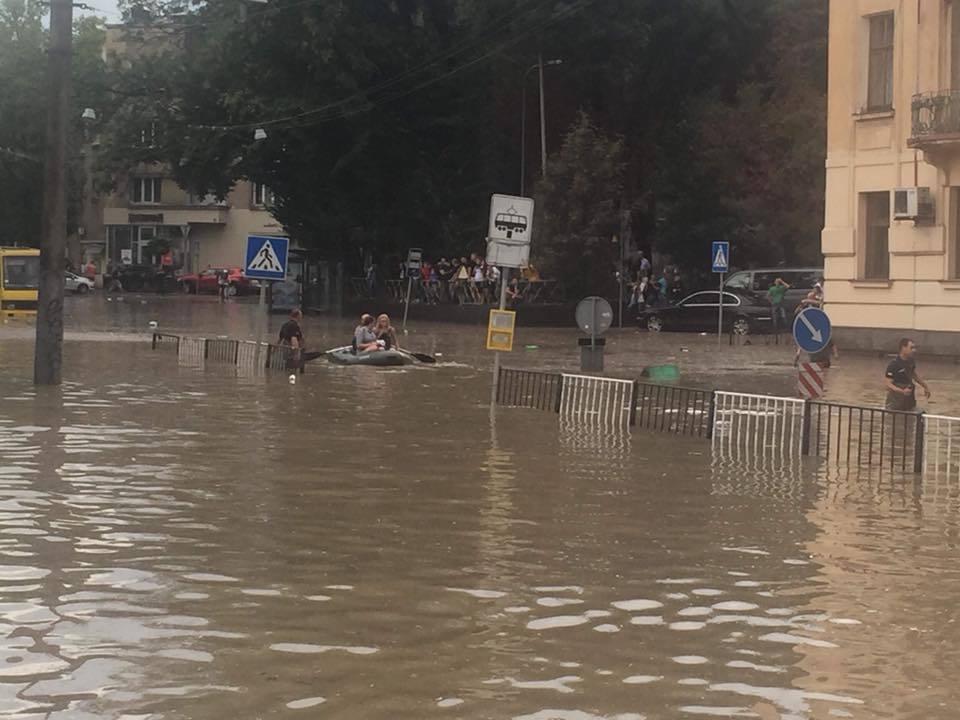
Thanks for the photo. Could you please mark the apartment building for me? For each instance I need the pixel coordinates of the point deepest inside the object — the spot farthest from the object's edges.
(149, 211)
(891, 236)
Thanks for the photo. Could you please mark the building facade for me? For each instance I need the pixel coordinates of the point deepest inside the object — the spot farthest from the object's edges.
(150, 219)
(891, 237)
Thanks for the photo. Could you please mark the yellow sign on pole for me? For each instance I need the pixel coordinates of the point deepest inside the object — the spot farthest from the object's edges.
(500, 330)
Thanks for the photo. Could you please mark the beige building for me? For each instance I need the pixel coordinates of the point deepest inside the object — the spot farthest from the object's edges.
(891, 238)
(150, 211)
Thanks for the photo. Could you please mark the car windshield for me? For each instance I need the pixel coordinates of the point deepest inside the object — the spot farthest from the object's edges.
(739, 281)
(21, 272)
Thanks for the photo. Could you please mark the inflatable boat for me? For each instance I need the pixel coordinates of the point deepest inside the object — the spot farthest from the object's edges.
(377, 358)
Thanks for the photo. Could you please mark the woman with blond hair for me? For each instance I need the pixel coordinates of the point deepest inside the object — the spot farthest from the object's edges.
(385, 333)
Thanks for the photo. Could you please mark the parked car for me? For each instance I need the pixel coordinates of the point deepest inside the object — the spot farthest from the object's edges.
(757, 282)
(137, 278)
(77, 283)
(742, 314)
(207, 281)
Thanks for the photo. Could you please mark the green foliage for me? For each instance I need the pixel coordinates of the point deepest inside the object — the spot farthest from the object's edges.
(389, 124)
(23, 62)
(578, 209)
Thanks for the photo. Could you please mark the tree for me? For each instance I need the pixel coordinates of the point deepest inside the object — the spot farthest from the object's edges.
(23, 61)
(578, 209)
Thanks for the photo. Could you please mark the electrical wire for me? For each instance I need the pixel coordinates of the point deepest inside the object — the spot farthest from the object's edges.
(333, 110)
(20, 155)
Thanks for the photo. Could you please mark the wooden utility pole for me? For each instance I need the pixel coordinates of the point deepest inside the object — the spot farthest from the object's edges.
(53, 225)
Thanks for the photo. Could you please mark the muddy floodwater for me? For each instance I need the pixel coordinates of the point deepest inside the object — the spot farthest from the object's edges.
(181, 543)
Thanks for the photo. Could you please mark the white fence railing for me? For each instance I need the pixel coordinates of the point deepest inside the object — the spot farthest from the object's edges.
(597, 401)
(192, 352)
(941, 446)
(757, 426)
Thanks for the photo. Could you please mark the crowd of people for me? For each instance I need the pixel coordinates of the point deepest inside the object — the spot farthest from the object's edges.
(465, 280)
(648, 289)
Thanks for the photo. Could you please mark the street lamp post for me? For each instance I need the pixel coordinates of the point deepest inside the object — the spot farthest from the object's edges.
(523, 123)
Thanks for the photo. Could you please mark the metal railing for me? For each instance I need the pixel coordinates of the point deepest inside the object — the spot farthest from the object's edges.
(850, 434)
(222, 350)
(192, 352)
(747, 425)
(679, 410)
(598, 401)
(941, 445)
(529, 389)
(935, 114)
(165, 341)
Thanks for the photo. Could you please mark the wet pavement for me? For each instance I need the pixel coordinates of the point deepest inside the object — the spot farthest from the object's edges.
(179, 543)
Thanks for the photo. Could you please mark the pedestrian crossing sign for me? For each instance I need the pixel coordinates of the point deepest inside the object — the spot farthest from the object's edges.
(266, 257)
(720, 256)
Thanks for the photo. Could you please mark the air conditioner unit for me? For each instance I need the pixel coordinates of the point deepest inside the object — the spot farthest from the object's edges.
(913, 203)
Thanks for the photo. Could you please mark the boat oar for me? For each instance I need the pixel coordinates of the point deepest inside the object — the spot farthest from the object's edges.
(422, 357)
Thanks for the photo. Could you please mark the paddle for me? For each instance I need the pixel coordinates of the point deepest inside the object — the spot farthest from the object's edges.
(422, 357)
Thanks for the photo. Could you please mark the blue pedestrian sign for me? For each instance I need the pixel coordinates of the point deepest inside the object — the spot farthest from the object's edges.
(720, 257)
(266, 257)
(811, 330)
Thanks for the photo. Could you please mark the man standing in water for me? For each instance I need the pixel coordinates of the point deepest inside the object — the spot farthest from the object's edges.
(902, 378)
(291, 336)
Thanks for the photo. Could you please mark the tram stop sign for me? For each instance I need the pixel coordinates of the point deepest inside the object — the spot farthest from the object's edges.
(594, 315)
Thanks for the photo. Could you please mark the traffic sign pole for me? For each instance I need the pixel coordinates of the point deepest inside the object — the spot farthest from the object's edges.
(720, 314)
(720, 263)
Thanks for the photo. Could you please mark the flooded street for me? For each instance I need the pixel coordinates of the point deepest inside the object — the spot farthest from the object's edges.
(372, 543)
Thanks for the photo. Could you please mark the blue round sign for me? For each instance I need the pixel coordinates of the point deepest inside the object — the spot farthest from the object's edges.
(811, 330)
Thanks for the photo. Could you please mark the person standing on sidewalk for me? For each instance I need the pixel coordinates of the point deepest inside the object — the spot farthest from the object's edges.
(775, 295)
(902, 378)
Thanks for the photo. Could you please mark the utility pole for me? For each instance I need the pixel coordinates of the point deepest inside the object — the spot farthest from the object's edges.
(53, 224)
(543, 122)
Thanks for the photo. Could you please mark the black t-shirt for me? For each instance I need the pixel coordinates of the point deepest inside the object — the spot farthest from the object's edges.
(901, 371)
(289, 330)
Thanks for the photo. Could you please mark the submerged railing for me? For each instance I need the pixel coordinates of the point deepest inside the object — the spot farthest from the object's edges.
(743, 425)
(245, 355)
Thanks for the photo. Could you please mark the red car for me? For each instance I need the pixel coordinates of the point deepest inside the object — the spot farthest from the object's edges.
(208, 281)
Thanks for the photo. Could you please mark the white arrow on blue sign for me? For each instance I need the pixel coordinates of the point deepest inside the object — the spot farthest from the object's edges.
(266, 257)
(811, 330)
(720, 256)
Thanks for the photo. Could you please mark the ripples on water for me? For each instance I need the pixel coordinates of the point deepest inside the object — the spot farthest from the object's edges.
(181, 543)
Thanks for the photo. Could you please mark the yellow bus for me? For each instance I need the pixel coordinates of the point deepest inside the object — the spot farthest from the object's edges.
(19, 281)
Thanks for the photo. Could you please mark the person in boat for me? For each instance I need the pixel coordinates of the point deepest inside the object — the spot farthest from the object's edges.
(364, 338)
(385, 333)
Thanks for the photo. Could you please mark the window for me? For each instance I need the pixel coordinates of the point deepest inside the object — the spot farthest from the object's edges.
(146, 190)
(880, 68)
(954, 231)
(148, 134)
(739, 281)
(876, 251)
(21, 272)
(703, 298)
(262, 195)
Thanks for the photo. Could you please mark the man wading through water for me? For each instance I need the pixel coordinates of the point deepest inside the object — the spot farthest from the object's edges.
(291, 335)
(902, 378)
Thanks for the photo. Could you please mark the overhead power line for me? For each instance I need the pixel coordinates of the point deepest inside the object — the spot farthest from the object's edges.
(336, 109)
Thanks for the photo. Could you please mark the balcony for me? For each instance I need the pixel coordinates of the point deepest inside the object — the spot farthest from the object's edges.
(936, 120)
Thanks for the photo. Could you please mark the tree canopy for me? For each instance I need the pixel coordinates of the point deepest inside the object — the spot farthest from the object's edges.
(390, 122)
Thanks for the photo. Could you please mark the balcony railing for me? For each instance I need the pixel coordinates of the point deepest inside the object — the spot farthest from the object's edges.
(936, 119)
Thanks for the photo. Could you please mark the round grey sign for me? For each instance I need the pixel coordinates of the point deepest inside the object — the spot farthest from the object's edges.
(594, 315)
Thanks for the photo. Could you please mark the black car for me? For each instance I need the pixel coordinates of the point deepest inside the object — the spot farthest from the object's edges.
(742, 314)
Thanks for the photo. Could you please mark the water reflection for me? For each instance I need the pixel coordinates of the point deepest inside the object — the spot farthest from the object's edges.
(184, 543)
